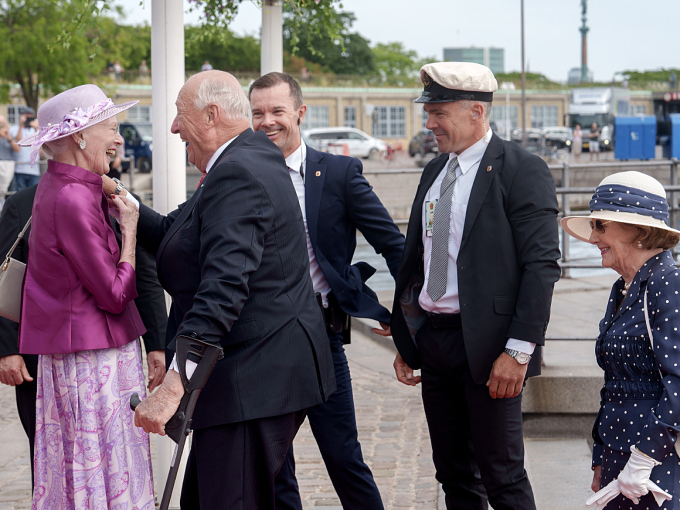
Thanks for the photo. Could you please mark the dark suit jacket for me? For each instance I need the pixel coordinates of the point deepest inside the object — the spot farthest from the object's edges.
(234, 259)
(338, 200)
(150, 299)
(507, 264)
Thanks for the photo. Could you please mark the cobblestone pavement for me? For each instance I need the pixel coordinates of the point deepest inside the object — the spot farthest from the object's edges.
(392, 431)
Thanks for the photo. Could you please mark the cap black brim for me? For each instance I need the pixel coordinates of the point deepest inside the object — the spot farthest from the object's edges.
(454, 95)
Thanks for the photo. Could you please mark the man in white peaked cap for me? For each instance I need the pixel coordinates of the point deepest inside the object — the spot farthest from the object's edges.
(474, 289)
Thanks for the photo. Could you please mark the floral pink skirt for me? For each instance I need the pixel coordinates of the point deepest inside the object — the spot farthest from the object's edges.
(88, 453)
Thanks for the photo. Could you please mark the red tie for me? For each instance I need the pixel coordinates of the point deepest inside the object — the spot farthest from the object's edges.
(201, 181)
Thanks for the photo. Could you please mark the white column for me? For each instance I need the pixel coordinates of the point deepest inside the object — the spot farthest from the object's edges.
(169, 167)
(271, 57)
(167, 72)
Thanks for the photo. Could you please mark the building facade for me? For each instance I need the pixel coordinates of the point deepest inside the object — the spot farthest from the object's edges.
(493, 58)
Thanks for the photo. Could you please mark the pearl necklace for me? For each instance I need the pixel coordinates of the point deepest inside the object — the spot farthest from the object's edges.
(626, 286)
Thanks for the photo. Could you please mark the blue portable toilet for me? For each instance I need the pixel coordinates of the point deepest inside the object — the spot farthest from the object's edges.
(675, 135)
(648, 136)
(635, 137)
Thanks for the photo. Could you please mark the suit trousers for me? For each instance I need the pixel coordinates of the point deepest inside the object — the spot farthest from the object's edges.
(477, 441)
(233, 466)
(26, 396)
(334, 426)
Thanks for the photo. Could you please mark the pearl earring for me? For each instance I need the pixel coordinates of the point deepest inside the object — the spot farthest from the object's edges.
(639, 245)
(82, 144)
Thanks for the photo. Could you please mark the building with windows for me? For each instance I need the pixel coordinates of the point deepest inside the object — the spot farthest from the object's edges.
(493, 58)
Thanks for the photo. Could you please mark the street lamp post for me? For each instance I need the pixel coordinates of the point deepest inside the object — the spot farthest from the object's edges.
(524, 86)
(271, 50)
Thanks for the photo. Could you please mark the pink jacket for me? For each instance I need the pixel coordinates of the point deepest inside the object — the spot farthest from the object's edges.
(76, 296)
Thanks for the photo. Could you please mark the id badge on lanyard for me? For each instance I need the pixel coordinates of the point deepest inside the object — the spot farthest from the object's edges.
(429, 216)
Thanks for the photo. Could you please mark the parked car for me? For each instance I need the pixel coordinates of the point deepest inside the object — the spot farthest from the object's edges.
(138, 143)
(534, 139)
(423, 143)
(359, 144)
(559, 137)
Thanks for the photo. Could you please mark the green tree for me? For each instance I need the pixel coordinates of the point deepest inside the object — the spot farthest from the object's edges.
(393, 60)
(44, 44)
(130, 44)
(222, 48)
(350, 54)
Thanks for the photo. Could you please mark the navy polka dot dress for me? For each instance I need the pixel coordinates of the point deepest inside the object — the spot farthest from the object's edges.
(640, 402)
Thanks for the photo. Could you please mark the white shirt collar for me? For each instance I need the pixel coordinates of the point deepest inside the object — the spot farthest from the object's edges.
(473, 154)
(297, 158)
(217, 153)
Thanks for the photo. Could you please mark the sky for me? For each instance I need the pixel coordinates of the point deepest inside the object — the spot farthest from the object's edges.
(624, 34)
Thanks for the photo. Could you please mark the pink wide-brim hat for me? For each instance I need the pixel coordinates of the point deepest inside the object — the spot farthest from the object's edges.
(71, 111)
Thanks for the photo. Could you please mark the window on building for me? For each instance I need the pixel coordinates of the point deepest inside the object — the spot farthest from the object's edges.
(139, 113)
(499, 119)
(317, 117)
(391, 122)
(13, 113)
(351, 116)
(543, 116)
(638, 109)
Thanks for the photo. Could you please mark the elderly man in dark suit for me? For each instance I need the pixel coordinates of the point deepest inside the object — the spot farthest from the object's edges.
(234, 260)
(20, 369)
(335, 200)
(474, 289)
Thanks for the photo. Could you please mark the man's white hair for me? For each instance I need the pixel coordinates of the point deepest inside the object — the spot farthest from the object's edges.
(468, 103)
(231, 100)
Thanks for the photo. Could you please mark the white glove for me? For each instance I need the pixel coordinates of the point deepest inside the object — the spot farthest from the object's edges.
(634, 480)
(604, 496)
(659, 495)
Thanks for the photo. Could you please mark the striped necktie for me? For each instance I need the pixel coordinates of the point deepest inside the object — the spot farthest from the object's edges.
(439, 259)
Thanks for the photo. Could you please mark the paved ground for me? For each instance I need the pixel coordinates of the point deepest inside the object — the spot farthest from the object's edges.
(392, 427)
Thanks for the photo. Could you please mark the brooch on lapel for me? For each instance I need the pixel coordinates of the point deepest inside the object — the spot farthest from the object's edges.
(318, 174)
(488, 168)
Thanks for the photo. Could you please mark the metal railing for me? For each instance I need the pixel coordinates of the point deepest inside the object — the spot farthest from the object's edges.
(566, 190)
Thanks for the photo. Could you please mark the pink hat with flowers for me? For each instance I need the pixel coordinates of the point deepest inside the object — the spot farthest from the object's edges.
(69, 112)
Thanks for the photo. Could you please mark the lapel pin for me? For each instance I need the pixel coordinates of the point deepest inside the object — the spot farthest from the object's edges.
(318, 174)
(488, 168)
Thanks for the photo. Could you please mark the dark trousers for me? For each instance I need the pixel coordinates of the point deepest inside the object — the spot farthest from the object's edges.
(23, 181)
(334, 427)
(232, 467)
(477, 441)
(26, 394)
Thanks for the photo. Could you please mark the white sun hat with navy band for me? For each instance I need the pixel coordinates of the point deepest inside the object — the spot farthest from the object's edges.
(69, 112)
(626, 197)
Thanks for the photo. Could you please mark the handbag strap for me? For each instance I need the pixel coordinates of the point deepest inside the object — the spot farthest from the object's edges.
(16, 243)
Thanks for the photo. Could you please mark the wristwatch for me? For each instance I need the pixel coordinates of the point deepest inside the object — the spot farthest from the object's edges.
(520, 357)
(119, 186)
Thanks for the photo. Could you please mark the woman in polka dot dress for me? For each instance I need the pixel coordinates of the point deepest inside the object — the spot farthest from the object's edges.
(634, 459)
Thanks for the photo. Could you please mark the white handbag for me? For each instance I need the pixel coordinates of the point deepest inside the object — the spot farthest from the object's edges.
(651, 341)
(12, 282)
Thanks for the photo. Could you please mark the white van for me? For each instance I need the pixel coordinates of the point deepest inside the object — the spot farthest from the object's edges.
(359, 144)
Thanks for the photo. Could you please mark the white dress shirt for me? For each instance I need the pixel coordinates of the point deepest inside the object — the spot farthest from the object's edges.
(468, 161)
(295, 161)
(191, 365)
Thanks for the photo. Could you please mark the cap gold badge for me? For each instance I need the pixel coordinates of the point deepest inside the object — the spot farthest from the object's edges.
(427, 80)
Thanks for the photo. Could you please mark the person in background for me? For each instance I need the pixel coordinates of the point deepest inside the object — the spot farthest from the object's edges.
(21, 370)
(25, 173)
(118, 69)
(577, 143)
(206, 66)
(78, 314)
(335, 200)
(637, 427)
(116, 165)
(594, 142)
(7, 150)
(143, 70)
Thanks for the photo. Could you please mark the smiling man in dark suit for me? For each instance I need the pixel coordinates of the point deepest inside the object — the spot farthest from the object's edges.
(233, 258)
(474, 289)
(335, 200)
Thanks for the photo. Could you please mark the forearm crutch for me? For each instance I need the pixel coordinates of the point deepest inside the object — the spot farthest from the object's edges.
(179, 426)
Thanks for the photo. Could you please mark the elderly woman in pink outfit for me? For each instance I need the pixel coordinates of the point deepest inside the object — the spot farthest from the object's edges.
(78, 314)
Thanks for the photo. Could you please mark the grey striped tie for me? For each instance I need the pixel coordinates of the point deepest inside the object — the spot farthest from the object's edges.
(439, 259)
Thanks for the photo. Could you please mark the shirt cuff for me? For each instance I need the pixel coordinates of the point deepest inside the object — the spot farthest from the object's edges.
(521, 346)
(190, 368)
